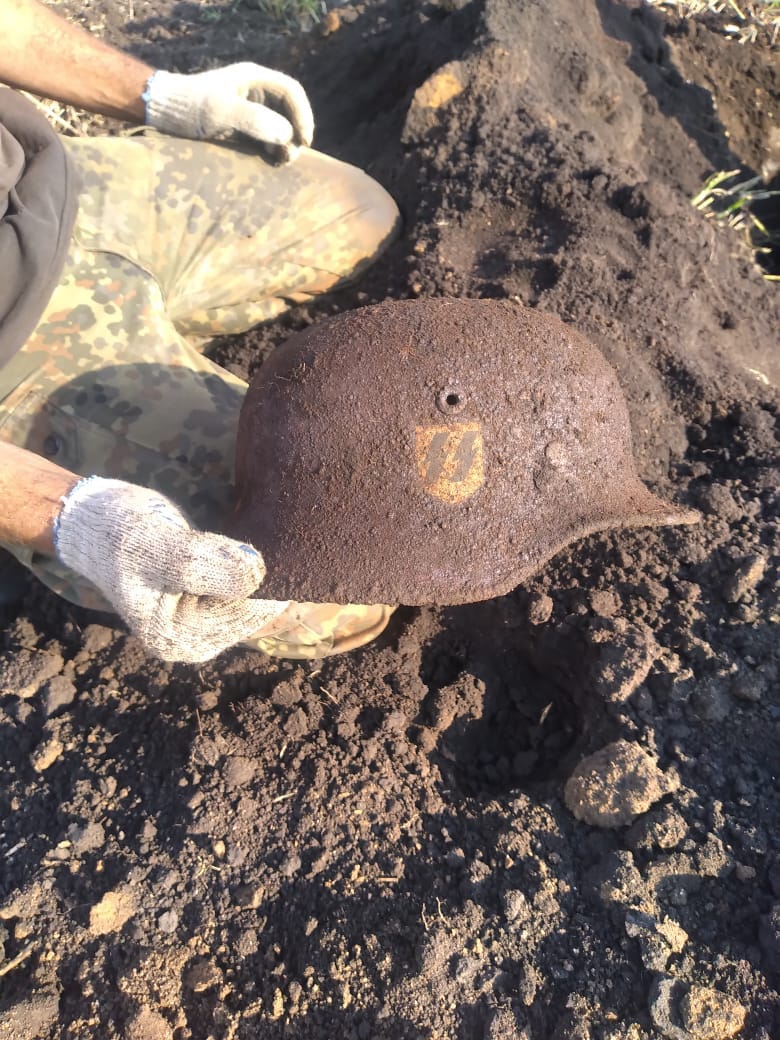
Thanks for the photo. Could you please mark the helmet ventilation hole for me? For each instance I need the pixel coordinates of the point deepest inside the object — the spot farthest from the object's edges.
(450, 401)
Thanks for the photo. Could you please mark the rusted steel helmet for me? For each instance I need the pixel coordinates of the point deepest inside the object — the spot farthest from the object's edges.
(431, 452)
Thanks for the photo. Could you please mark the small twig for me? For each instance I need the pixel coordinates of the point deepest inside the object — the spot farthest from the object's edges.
(204, 865)
(17, 960)
(15, 849)
(51, 113)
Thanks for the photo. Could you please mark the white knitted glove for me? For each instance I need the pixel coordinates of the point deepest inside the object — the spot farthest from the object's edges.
(244, 98)
(184, 593)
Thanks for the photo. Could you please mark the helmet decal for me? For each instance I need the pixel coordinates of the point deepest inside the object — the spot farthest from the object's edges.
(450, 460)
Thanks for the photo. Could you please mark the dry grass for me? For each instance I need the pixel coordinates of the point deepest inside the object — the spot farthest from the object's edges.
(75, 122)
(748, 21)
(728, 198)
(290, 12)
(64, 119)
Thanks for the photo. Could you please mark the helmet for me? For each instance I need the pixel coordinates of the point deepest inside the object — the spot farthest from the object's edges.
(431, 452)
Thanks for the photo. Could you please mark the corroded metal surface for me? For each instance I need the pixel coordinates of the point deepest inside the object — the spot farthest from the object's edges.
(432, 451)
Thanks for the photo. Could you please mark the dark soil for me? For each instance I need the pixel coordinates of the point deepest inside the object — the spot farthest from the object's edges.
(379, 845)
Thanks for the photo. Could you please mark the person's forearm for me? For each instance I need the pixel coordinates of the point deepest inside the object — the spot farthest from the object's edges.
(31, 492)
(48, 56)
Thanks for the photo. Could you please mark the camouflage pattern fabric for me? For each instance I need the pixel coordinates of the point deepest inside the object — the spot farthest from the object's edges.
(177, 241)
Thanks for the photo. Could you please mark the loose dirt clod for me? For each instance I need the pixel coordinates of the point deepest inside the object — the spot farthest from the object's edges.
(663, 1000)
(432, 451)
(694, 1013)
(112, 912)
(47, 753)
(30, 1018)
(25, 672)
(708, 1014)
(148, 1025)
(613, 786)
(658, 940)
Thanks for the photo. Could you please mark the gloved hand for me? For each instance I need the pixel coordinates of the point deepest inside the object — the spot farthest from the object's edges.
(222, 102)
(183, 592)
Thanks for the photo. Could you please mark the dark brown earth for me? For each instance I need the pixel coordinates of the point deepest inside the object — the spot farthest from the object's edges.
(413, 840)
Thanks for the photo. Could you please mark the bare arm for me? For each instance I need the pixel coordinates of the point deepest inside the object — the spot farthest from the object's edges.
(48, 56)
(31, 489)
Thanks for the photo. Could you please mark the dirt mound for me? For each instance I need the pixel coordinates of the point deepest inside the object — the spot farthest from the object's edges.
(379, 845)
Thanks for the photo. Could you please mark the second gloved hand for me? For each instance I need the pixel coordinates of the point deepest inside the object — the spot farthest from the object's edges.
(184, 593)
(261, 103)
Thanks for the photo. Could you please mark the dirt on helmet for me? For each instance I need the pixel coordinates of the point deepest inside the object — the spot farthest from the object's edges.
(432, 452)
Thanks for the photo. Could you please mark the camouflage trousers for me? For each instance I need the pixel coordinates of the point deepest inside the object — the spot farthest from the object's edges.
(177, 242)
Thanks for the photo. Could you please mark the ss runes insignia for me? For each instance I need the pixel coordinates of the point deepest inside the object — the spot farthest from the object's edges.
(450, 460)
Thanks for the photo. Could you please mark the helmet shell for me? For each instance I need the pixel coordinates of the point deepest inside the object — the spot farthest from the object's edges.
(431, 452)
